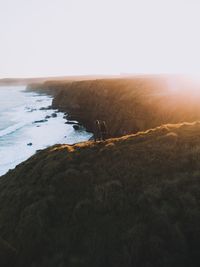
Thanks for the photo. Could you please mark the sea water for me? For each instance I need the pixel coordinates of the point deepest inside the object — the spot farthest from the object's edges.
(27, 125)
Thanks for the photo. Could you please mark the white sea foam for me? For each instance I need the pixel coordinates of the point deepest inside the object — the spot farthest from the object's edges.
(19, 112)
(11, 129)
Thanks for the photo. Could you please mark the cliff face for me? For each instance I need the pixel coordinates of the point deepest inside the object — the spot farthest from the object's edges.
(127, 105)
(131, 201)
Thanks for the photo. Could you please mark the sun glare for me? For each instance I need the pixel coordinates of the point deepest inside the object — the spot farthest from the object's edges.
(184, 84)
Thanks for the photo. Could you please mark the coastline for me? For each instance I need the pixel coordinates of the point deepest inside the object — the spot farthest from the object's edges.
(128, 105)
(112, 201)
(90, 202)
(33, 125)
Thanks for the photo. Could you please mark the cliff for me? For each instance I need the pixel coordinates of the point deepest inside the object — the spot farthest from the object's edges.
(129, 201)
(128, 105)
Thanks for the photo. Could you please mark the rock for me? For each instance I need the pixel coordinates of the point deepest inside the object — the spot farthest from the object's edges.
(40, 121)
(29, 144)
(54, 115)
(47, 117)
(45, 108)
(77, 127)
(70, 117)
(72, 122)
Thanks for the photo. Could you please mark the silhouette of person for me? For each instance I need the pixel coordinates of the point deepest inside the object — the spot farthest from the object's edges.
(104, 131)
(97, 131)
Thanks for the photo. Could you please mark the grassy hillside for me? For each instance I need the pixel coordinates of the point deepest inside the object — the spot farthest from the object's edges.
(130, 201)
(128, 104)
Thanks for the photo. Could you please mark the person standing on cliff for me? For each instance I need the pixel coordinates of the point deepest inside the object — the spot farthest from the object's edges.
(97, 131)
(104, 130)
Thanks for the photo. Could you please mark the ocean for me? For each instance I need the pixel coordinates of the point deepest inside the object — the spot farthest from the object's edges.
(27, 125)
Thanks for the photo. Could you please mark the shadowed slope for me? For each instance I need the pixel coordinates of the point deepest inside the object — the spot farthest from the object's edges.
(132, 201)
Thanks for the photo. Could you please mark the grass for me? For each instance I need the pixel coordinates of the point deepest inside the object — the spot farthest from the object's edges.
(129, 201)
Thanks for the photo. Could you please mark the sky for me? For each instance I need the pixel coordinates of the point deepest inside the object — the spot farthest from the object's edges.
(80, 37)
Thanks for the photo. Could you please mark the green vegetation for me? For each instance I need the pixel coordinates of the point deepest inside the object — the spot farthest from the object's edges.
(130, 201)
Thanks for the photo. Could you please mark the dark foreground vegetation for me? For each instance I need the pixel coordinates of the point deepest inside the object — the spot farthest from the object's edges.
(131, 201)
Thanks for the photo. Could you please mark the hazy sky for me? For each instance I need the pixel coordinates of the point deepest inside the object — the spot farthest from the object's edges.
(65, 37)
